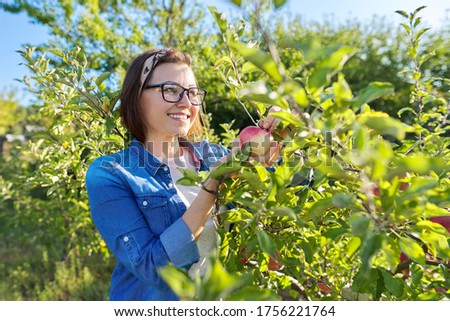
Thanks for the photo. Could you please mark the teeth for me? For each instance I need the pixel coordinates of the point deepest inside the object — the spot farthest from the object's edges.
(178, 116)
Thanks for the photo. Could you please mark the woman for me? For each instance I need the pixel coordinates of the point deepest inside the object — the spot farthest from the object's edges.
(145, 218)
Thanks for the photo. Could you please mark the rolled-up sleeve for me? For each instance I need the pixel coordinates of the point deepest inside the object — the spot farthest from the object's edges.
(180, 244)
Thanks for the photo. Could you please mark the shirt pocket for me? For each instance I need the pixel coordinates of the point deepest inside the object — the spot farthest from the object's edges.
(154, 208)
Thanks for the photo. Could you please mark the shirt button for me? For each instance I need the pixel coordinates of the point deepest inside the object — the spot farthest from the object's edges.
(165, 168)
(170, 185)
(144, 203)
(126, 239)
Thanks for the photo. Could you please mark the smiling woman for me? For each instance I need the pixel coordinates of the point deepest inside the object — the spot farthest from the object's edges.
(145, 217)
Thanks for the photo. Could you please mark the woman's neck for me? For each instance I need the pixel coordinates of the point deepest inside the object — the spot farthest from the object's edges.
(163, 149)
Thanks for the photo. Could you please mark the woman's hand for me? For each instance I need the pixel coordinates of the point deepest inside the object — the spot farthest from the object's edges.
(270, 122)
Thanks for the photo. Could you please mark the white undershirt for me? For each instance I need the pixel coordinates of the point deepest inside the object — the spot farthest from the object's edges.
(207, 241)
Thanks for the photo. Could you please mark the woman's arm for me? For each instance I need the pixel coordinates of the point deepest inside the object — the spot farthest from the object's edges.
(196, 215)
(123, 227)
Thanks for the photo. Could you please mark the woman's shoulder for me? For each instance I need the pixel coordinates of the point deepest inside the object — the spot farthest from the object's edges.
(111, 162)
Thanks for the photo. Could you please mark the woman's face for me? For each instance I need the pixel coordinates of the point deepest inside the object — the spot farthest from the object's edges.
(165, 120)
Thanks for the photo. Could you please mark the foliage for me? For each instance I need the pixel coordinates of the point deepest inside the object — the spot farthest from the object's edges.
(355, 187)
(11, 114)
(328, 222)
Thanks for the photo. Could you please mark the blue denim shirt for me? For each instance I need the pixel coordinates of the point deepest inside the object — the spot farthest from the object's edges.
(136, 209)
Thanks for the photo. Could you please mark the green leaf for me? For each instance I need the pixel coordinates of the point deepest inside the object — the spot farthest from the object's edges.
(343, 200)
(394, 285)
(110, 124)
(406, 27)
(220, 18)
(360, 224)
(253, 293)
(266, 243)
(259, 92)
(190, 177)
(334, 233)
(361, 138)
(349, 294)
(383, 124)
(369, 247)
(289, 118)
(319, 208)
(419, 9)
(421, 164)
(179, 281)
(342, 91)
(307, 251)
(328, 67)
(416, 274)
(279, 3)
(260, 59)
(403, 13)
(420, 33)
(226, 168)
(432, 227)
(405, 109)
(100, 79)
(217, 282)
(237, 215)
(353, 245)
(310, 46)
(412, 250)
(417, 22)
(284, 212)
(373, 91)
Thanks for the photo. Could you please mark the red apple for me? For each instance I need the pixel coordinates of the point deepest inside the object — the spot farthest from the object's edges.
(376, 191)
(258, 138)
(274, 264)
(404, 186)
(324, 288)
(244, 258)
(403, 258)
(443, 220)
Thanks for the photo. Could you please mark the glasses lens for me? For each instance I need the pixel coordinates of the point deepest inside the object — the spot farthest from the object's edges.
(196, 95)
(172, 93)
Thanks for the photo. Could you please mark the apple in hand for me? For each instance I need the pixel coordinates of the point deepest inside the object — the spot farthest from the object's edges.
(259, 139)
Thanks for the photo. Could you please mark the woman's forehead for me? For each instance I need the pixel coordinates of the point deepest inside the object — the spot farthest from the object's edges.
(177, 72)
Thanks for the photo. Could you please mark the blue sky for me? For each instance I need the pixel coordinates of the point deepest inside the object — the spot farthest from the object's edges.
(16, 29)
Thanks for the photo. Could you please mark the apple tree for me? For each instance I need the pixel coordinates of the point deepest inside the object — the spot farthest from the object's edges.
(357, 207)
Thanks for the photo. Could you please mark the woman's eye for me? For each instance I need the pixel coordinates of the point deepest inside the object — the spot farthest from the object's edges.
(171, 90)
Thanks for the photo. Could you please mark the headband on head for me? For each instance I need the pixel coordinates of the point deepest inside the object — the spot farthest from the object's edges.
(148, 66)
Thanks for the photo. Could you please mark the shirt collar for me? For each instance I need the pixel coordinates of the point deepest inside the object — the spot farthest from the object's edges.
(153, 163)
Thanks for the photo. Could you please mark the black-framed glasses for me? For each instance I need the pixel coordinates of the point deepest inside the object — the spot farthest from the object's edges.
(173, 93)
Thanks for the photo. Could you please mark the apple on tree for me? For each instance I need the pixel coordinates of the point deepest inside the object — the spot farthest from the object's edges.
(444, 220)
(274, 263)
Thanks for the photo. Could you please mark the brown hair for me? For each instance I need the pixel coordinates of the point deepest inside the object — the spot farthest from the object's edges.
(130, 110)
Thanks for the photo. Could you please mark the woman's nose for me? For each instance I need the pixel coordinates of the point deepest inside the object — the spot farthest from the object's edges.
(185, 102)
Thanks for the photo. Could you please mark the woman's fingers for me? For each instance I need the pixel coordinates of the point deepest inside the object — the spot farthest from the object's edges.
(270, 123)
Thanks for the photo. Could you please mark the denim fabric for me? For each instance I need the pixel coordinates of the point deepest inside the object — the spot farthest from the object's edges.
(136, 209)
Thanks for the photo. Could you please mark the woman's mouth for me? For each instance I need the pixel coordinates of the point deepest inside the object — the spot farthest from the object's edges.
(179, 116)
